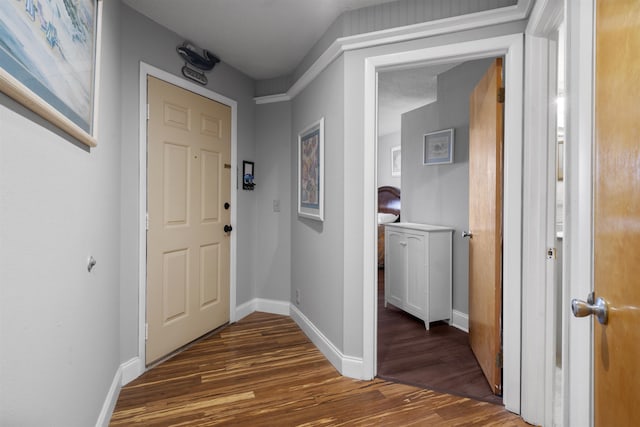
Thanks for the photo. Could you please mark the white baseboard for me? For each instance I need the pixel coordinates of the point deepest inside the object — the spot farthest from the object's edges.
(265, 305)
(110, 401)
(348, 366)
(243, 310)
(131, 369)
(273, 306)
(460, 320)
(353, 367)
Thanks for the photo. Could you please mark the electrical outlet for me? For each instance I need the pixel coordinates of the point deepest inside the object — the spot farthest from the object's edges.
(297, 296)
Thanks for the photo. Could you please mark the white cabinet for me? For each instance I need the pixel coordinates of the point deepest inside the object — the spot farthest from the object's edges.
(418, 269)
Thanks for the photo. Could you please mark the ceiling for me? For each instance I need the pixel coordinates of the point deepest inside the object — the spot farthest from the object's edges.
(262, 38)
(404, 90)
(269, 38)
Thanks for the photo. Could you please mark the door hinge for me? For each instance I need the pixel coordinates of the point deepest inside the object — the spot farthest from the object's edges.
(501, 95)
(499, 360)
(146, 221)
(146, 331)
(148, 113)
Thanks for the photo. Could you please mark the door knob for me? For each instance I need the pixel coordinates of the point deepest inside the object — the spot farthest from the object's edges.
(227, 206)
(598, 308)
(228, 228)
(467, 234)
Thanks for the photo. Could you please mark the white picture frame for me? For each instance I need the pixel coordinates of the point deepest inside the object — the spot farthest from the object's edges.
(396, 161)
(438, 147)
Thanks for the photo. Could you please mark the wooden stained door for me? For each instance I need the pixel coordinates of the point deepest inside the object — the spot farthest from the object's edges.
(189, 156)
(485, 223)
(617, 212)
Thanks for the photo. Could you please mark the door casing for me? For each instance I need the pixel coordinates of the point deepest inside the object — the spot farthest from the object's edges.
(149, 70)
(539, 328)
(511, 47)
(577, 342)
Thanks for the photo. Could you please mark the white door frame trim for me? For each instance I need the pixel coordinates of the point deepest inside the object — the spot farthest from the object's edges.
(511, 46)
(538, 278)
(149, 70)
(577, 340)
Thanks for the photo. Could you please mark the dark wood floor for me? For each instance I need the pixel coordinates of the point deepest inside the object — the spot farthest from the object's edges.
(263, 371)
(438, 359)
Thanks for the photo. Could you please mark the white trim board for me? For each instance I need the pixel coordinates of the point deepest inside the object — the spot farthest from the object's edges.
(539, 211)
(264, 305)
(577, 342)
(460, 320)
(400, 34)
(131, 370)
(149, 70)
(110, 400)
(351, 367)
(348, 366)
(511, 46)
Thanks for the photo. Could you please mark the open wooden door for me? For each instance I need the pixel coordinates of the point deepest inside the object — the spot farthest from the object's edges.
(617, 212)
(485, 223)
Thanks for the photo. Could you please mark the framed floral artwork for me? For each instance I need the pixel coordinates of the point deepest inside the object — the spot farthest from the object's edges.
(311, 171)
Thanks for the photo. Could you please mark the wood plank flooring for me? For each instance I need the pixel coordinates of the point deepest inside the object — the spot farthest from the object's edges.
(438, 359)
(263, 371)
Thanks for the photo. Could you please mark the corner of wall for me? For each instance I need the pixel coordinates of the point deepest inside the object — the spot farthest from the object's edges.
(352, 367)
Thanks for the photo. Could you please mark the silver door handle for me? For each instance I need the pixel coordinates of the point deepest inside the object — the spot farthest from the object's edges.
(599, 308)
(467, 234)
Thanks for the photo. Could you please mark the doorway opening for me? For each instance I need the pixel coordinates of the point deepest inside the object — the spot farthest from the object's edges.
(138, 365)
(414, 104)
(511, 48)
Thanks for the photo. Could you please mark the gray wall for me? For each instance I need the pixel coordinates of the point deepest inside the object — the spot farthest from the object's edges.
(144, 40)
(385, 144)
(273, 182)
(316, 247)
(60, 203)
(439, 194)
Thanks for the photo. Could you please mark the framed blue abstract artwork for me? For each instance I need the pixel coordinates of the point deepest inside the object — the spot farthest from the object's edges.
(47, 60)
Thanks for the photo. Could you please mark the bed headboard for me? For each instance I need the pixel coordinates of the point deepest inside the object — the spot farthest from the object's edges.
(389, 200)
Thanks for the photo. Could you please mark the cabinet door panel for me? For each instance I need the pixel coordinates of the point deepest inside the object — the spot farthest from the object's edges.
(416, 280)
(396, 268)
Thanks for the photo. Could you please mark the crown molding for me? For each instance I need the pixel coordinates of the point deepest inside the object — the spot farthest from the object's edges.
(400, 34)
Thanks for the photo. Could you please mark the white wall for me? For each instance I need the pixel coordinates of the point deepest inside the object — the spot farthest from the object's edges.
(144, 40)
(316, 247)
(439, 194)
(385, 144)
(60, 203)
(273, 183)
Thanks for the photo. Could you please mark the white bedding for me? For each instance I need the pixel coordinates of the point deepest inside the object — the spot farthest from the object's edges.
(386, 218)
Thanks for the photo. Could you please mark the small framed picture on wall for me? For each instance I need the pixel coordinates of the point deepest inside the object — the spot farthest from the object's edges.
(396, 161)
(438, 147)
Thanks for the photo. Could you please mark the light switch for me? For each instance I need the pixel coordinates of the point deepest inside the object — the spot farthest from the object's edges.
(276, 205)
